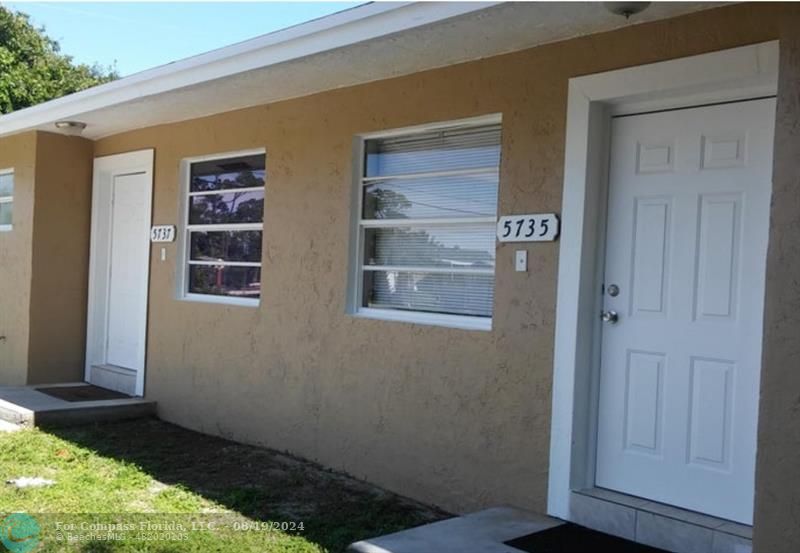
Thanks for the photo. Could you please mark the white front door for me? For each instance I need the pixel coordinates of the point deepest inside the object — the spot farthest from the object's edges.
(120, 267)
(688, 221)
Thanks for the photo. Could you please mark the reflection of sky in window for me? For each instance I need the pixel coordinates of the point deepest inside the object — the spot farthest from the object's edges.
(6, 184)
(435, 160)
(229, 198)
(6, 210)
(446, 175)
(462, 196)
(208, 205)
(452, 240)
(220, 179)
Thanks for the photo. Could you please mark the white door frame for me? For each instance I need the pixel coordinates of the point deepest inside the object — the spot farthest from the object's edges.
(139, 162)
(727, 75)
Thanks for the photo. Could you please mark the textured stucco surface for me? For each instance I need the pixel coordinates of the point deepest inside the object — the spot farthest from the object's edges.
(457, 418)
(777, 520)
(44, 259)
(18, 153)
(60, 263)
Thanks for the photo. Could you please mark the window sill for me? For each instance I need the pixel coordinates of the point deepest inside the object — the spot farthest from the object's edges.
(462, 322)
(220, 300)
(6, 228)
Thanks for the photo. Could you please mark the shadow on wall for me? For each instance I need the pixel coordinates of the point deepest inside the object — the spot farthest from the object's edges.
(258, 483)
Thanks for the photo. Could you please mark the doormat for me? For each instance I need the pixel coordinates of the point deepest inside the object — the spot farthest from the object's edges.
(571, 538)
(82, 393)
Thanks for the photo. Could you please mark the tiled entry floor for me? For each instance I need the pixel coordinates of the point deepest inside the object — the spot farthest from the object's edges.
(27, 406)
(656, 524)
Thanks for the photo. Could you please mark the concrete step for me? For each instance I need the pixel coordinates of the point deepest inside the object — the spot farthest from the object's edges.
(484, 531)
(6, 426)
(26, 406)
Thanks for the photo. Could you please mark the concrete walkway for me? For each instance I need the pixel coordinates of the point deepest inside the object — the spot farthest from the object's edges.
(24, 405)
(9, 427)
(484, 531)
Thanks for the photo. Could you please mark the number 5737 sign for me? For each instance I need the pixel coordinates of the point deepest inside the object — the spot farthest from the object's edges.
(537, 227)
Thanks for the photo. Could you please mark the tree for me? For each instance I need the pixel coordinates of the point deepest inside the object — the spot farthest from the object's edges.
(32, 68)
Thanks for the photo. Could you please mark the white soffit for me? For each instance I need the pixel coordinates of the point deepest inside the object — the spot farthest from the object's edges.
(367, 43)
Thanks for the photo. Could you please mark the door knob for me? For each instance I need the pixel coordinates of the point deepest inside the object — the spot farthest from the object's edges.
(610, 317)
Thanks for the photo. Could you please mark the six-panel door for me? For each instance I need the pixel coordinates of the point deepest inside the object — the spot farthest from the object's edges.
(688, 218)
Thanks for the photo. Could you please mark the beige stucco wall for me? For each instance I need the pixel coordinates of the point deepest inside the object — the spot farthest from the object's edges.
(60, 263)
(777, 521)
(44, 259)
(18, 153)
(458, 418)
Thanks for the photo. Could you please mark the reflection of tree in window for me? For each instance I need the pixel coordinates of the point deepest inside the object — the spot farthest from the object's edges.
(226, 212)
(244, 245)
(229, 280)
(461, 196)
(241, 179)
(226, 208)
(386, 204)
(229, 205)
(429, 220)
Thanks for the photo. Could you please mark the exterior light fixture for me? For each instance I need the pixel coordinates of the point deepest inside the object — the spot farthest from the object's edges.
(626, 9)
(72, 128)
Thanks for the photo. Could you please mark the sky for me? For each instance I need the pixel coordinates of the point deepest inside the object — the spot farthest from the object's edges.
(138, 36)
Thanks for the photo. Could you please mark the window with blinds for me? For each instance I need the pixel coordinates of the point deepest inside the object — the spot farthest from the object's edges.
(6, 199)
(427, 222)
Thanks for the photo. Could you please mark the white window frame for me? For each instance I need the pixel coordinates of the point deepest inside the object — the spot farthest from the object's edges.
(8, 200)
(359, 225)
(184, 244)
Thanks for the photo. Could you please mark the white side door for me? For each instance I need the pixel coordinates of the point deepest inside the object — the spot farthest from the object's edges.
(688, 221)
(119, 271)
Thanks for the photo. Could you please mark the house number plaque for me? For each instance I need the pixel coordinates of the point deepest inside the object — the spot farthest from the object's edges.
(162, 233)
(535, 227)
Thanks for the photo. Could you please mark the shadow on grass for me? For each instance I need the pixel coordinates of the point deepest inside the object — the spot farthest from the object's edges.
(258, 483)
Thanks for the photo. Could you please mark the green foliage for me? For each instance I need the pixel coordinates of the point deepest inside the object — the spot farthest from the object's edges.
(32, 68)
(145, 470)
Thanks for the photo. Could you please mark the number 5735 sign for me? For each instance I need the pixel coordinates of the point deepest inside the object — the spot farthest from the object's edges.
(538, 227)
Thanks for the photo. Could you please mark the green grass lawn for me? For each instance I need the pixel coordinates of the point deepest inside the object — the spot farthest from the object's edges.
(224, 495)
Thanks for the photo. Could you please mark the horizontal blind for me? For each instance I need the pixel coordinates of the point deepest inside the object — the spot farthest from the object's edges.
(435, 195)
(432, 246)
(454, 294)
(436, 151)
(432, 197)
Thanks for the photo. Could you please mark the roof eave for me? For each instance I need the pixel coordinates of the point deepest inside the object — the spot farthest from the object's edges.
(338, 30)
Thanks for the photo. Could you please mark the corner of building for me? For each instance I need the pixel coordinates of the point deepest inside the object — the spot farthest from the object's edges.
(17, 155)
(777, 518)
